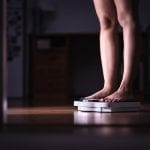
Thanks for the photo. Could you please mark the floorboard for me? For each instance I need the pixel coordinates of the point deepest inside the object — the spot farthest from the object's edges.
(65, 115)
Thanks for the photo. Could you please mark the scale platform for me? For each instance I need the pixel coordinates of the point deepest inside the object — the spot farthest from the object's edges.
(95, 105)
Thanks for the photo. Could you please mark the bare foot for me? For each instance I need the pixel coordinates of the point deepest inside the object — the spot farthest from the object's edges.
(120, 96)
(101, 94)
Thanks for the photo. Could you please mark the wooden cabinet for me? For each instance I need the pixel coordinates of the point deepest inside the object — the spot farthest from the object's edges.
(50, 70)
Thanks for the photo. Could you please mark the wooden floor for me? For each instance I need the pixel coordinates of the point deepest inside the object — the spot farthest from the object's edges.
(66, 128)
(69, 116)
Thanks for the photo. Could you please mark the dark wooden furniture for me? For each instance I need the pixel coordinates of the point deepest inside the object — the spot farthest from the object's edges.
(49, 70)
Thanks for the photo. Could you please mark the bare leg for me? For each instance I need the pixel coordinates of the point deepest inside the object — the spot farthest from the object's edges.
(131, 49)
(106, 13)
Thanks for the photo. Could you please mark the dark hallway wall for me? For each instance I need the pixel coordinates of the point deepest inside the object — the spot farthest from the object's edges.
(61, 16)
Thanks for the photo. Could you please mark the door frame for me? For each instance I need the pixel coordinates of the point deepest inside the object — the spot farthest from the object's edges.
(3, 62)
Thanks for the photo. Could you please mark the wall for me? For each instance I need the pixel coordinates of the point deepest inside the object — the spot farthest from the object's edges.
(15, 22)
(66, 16)
(73, 16)
(144, 12)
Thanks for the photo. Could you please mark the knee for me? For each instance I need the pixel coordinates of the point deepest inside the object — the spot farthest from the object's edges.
(107, 23)
(126, 20)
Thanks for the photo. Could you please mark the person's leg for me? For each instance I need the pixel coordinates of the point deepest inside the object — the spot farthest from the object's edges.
(126, 19)
(106, 13)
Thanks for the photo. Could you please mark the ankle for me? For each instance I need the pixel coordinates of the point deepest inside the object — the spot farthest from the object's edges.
(124, 88)
(109, 88)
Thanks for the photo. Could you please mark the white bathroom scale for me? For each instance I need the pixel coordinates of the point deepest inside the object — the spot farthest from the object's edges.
(96, 105)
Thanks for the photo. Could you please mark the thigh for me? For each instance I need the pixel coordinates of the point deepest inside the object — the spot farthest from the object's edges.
(127, 7)
(105, 8)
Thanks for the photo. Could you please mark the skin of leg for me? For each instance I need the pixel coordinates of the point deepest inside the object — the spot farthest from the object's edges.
(107, 17)
(131, 49)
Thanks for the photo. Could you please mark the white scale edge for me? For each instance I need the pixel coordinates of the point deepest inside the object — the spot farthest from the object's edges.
(106, 104)
(108, 109)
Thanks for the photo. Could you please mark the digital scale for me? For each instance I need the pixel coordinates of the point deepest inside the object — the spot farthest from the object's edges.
(96, 105)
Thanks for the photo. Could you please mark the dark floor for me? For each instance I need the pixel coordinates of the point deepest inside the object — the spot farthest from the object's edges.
(53, 128)
(69, 116)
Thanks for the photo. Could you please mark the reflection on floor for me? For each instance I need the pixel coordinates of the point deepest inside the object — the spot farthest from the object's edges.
(57, 128)
(70, 116)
